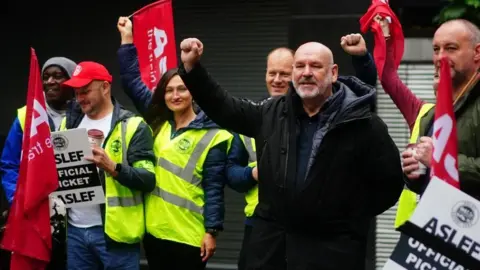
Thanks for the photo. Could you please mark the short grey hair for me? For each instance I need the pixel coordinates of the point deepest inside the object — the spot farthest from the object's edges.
(472, 29)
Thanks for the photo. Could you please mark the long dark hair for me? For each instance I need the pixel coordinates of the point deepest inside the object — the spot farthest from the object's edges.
(157, 111)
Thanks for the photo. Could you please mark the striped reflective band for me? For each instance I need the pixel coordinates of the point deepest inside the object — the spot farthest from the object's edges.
(185, 174)
(177, 200)
(252, 156)
(125, 201)
(137, 199)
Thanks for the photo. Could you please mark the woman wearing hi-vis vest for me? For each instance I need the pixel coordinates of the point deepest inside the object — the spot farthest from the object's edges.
(186, 210)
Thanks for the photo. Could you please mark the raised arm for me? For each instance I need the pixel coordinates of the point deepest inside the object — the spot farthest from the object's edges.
(365, 69)
(130, 75)
(239, 115)
(405, 100)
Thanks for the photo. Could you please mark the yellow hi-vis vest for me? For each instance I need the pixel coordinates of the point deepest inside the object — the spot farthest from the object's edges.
(124, 211)
(251, 197)
(21, 115)
(408, 199)
(174, 210)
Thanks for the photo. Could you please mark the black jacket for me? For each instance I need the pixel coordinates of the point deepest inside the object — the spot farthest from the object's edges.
(354, 173)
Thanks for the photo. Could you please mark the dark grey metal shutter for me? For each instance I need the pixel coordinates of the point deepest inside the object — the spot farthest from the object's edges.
(237, 36)
(419, 78)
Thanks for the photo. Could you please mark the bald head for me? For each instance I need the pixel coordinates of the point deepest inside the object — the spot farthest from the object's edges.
(279, 71)
(315, 49)
(458, 41)
(314, 71)
(465, 26)
(280, 53)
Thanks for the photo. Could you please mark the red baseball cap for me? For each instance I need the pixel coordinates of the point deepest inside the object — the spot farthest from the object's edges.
(86, 72)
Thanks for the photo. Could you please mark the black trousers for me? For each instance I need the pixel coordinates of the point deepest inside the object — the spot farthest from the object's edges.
(242, 259)
(168, 255)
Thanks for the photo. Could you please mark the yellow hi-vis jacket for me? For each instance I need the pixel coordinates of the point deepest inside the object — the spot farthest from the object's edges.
(251, 197)
(408, 199)
(174, 210)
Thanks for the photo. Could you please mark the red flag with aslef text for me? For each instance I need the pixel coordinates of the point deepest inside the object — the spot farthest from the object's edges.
(154, 38)
(444, 165)
(28, 232)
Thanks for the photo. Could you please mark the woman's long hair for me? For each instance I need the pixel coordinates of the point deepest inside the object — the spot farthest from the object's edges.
(157, 111)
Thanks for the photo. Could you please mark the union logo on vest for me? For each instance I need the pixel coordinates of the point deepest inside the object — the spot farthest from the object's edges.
(183, 145)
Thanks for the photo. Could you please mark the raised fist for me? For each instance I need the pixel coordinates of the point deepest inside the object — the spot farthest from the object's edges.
(192, 50)
(124, 26)
(354, 44)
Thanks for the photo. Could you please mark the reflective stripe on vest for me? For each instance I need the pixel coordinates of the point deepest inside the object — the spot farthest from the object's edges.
(251, 196)
(185, 174)
(408, 199)
(249, 144)
(178, 198)
(124, 211)
(137, 198)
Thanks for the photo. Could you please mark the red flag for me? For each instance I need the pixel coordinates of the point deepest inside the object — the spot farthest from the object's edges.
(396, 33)
(28, 234)
(445, 155)
(154, 38)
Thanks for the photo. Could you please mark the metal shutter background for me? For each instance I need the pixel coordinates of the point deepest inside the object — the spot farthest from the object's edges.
(418, 77)
(237, 35)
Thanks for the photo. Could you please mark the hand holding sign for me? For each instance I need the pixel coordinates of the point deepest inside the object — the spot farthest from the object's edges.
(101, 159)
(192, 50)
(124, 26)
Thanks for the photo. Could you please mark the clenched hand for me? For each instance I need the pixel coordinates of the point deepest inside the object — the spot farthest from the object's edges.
(354, 44)
(192, 50)
(124, 26)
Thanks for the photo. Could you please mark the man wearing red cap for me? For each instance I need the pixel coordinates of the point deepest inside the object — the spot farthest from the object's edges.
(109, 234)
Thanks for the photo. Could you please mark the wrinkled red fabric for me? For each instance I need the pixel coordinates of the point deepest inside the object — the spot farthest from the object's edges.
(396, 33)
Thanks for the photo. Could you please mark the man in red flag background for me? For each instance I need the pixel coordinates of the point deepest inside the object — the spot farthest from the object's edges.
(459, 42)
(28, 232)
(155, 38)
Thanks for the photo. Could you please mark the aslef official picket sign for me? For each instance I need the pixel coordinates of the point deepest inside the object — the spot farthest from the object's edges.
(443, 232)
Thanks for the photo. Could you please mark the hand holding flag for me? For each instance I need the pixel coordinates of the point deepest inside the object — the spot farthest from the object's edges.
(28, 233)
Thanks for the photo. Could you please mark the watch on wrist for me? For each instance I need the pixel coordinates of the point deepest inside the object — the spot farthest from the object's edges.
(213, 232)
(118, 167)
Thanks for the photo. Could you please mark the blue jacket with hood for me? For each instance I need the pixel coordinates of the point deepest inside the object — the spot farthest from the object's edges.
(10, 160)
(214, 166)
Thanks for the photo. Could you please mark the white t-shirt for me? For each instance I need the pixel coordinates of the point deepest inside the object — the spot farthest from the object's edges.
(89, 216)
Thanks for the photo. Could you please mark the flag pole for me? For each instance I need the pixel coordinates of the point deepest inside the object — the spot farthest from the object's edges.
(146, 7)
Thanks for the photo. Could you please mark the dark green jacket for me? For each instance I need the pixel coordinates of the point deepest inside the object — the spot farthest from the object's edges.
(467, 113)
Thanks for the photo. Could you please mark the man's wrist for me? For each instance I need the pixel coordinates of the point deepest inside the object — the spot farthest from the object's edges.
(114, 169)
(188, 67)
(213, 232)
(127, 39)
